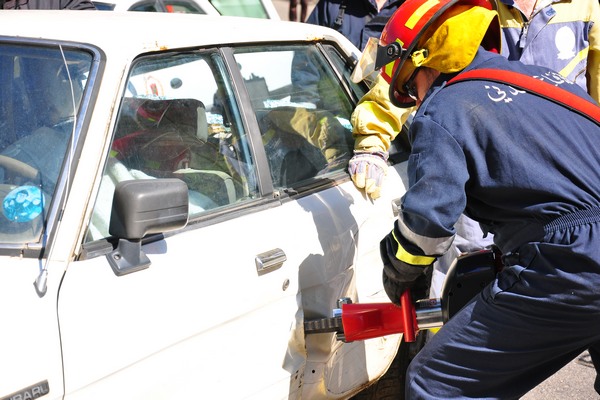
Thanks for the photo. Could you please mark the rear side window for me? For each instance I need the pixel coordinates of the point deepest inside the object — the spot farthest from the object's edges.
(302, 109)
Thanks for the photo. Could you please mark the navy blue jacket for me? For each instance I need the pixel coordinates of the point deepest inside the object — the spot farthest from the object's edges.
(360, 21)
(509, 159)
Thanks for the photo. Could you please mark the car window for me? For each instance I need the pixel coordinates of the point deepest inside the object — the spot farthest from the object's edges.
(173, 6)
(302, 109)
(147, 5)
(182, 7)
(144, 5)
(151, 6)
(240, 8)
(104, 6)
(42, 88)
(179, 119)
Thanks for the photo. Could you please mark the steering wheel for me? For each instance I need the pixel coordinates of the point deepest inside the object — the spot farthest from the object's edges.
(18, 167)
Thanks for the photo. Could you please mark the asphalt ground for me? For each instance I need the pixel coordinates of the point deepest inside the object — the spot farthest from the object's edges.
(576, 380)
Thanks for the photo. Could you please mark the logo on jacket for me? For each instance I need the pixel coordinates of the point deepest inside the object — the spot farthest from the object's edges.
(565, 43)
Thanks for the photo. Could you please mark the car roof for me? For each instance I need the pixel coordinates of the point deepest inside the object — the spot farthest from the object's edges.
(146, 31)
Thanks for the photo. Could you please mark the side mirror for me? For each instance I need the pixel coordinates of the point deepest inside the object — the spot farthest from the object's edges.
(142, 207)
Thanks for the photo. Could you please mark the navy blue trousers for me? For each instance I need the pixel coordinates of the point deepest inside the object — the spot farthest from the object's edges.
(538, 315)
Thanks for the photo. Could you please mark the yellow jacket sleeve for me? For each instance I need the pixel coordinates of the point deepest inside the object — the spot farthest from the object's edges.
(375, 120)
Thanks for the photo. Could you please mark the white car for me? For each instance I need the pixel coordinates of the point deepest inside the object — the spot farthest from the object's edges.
(239, 8)
(175, 205)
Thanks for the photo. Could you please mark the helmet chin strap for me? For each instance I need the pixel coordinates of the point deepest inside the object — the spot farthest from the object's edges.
(392, 91)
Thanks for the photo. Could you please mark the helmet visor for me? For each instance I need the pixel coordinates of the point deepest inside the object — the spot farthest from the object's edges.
(374, 57)
(365, 68)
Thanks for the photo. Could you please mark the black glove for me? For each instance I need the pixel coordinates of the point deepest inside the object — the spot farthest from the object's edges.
(399, 276)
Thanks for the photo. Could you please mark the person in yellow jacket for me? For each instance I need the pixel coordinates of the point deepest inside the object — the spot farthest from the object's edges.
(563, 36)
(560, 35)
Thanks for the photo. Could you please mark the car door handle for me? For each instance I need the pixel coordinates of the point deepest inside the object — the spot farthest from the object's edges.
(269, 261)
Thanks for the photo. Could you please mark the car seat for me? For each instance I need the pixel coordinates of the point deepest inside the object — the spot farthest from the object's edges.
(169, 138)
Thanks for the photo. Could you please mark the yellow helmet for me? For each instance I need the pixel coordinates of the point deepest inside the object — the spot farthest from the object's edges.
(440, 34)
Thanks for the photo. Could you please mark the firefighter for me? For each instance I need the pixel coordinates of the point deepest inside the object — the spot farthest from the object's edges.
(563, 36)
(526, 168)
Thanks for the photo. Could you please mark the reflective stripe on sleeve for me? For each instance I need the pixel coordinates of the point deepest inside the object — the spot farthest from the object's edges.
(405, 256)
(436, 246)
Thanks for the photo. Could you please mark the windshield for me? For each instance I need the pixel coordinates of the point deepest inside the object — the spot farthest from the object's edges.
(42, 88)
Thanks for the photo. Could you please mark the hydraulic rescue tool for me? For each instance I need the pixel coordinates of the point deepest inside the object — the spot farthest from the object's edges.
(467, 276)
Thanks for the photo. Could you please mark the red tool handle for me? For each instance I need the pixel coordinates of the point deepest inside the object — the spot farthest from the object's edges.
(409, 317)
(366, 321)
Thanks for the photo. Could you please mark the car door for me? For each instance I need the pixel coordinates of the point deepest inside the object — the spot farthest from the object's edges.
(272, 236)
(299, 91)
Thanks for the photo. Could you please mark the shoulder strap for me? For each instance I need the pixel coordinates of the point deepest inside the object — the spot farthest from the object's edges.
(534, 86)
(337, 24)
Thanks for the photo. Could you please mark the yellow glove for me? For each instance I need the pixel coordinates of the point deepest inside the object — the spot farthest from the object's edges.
(368, 170)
